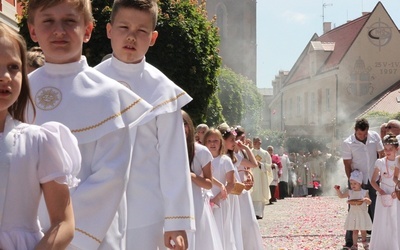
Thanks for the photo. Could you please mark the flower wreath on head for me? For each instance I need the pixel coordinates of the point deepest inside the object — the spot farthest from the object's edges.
(237, 128)
(229, 131)
(390, 139)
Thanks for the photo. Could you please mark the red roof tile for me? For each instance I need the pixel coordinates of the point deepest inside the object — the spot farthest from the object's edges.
(343, 37)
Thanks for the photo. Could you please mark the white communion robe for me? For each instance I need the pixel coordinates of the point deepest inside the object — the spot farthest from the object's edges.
(160, 189)
(252, 239)
(31, 155)
(207, 234)
(99, 112)
(385, 231)
(261, 194)
(221, 165)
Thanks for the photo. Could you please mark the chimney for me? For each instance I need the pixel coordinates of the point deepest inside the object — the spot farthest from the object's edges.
(327, 27)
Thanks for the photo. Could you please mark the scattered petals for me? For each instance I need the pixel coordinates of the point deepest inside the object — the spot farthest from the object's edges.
(305, 224)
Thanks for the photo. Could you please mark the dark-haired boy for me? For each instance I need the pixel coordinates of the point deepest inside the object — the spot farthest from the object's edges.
(160, 202)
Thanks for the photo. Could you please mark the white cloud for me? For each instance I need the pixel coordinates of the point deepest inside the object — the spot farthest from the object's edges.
(296, 17)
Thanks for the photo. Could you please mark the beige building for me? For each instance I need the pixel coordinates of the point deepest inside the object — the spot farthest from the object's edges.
(338, 76)
(236, 20)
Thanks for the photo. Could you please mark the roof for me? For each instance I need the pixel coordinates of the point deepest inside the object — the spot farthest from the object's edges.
(343, 37)
(336, 42)
(387, 101)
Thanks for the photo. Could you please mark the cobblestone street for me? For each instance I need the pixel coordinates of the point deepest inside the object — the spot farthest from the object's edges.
(305, 223)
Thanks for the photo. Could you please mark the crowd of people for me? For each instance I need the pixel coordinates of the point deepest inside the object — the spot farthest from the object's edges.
(372, 165)
(105, 158)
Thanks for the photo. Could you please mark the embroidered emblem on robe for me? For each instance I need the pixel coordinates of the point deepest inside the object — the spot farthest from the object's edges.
(48, 98)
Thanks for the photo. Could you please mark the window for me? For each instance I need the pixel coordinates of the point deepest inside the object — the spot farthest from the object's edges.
(328, 99)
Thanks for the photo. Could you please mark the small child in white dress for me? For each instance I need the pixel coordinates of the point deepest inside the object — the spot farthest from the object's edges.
(223, 183)
(358, 218)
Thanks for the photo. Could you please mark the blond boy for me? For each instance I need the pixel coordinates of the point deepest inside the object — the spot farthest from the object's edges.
(96, 109)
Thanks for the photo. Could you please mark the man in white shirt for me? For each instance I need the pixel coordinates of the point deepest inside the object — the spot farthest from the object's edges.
(360, 151)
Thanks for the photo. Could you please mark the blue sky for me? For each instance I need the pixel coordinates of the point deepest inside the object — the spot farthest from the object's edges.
(284, 28)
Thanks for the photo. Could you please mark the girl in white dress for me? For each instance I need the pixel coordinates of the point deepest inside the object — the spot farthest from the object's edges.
(206, 235)
(223, 183)
(33, 160)
(358, 218)
(252, 239)
(229, 136)
(385, 227)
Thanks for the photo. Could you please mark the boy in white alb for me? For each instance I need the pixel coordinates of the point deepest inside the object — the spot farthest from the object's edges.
(97, 110)
(159, 191)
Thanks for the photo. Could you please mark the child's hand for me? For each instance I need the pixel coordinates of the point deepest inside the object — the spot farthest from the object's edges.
(224, 193)
(214, 201)
(240, 144)
(367, 200)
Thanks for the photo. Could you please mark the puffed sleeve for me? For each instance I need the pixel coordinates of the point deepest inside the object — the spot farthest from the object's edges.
(59, 155)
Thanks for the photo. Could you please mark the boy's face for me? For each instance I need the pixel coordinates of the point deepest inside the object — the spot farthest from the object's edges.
(60, 31)
(131, 34)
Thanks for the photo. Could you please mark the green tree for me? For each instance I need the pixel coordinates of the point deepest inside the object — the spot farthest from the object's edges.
(99, 45)
(271, 137)
(23, 26)
(230, 96)
(214, 111)
(187, 52)
(186, 49)
(395, 116)
(376, 118)
(241, 102)
(253, 105)
(306, 143)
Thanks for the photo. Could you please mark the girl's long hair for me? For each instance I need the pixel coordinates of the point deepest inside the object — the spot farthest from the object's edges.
(226, 132)
(189, 137)
(241, 132)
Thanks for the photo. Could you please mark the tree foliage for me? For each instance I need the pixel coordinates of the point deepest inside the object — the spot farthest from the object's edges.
(242, 103)
(99, 45)
(23, 26)
(253, 105)
(214, 111)
(305, 143)
(186, 50)
(271, 138)
(230, 96)
(376, 118)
